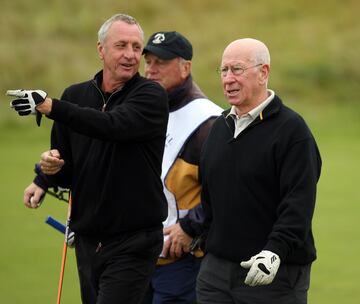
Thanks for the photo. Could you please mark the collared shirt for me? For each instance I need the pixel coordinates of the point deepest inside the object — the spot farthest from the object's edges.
(241, 122)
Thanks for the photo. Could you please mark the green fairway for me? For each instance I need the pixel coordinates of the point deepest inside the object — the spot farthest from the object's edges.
(315, 49)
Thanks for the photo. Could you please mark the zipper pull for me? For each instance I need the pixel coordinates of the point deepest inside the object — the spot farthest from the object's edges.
(103, 108)
(98, 247)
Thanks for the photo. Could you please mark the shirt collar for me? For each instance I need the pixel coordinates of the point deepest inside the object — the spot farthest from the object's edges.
(256, 111)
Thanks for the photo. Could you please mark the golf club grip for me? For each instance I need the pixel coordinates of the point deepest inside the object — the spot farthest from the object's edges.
(55, 224)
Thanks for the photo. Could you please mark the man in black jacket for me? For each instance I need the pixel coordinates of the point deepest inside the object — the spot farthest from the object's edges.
(259, 170)
(168, 58)
(108, 139)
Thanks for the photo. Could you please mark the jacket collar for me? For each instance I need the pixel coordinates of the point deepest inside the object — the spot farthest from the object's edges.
(98, 78)
(183, 94)
(271, 109)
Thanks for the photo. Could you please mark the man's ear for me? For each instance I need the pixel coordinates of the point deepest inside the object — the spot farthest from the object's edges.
(264, 73)
(100, 50)
(186, 69)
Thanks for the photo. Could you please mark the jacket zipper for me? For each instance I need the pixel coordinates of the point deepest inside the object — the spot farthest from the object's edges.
(98, 248)
(103, 97)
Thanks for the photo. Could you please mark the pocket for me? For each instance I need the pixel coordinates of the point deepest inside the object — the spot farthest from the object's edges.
(298, 276)
(140, 243)
(151, 243)
(155, 235)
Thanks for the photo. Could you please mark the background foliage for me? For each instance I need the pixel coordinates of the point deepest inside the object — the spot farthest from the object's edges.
(315, 49)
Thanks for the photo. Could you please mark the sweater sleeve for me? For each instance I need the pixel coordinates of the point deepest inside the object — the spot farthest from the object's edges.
(140, 116)
(206, 207)
(205, 198)
(299, 168)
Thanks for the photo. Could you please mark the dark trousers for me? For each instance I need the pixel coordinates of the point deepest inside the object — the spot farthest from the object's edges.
(117, 271)
(222, 282)
(174, 283)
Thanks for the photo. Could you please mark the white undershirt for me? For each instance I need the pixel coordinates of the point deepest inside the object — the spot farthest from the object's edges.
(241, 122)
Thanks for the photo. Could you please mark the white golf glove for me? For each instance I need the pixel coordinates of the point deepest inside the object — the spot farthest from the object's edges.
(70, 239)
(263, 268)
(27, 102)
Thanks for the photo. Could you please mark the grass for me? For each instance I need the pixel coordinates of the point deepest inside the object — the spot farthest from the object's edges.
(315, 69)
(335, 221)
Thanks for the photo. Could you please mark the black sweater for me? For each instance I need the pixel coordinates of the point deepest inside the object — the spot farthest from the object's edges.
(259, 189)
(112, 157)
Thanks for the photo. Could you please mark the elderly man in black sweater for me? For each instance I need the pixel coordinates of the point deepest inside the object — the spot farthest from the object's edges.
(259, 170)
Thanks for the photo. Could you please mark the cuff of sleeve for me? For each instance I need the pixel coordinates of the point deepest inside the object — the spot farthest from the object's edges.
(185, 225)
(41, 179)
(59, 111)
(277, 248)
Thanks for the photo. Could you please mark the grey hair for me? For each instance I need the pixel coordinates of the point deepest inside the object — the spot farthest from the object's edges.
(118, 17)
(261, 55)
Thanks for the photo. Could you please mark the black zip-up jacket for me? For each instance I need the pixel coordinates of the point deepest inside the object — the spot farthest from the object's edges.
(113, 150)
(259, 189)
(190, 154)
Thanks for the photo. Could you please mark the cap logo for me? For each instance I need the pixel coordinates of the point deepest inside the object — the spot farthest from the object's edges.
(159, 37)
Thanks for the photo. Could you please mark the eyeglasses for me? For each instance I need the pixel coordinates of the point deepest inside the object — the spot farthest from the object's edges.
(236, 70)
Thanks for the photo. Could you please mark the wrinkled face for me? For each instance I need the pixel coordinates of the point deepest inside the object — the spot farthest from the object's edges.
(241, 90)
(168, 73)
(121, 51)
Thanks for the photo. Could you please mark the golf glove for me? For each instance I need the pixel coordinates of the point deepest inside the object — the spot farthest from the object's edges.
(263, 268)
(27, 102)
(70, 239)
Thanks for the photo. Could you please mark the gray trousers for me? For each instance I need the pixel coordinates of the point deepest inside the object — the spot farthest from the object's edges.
(222, 282)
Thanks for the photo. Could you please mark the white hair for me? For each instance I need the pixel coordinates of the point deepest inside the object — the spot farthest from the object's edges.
(261, 55)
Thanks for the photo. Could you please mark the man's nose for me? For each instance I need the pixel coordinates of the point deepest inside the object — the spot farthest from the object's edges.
(228, 78)
(129, 52)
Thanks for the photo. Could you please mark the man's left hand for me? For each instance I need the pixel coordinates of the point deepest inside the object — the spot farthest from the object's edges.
(263, 268)
(178, 241)
(33, 196)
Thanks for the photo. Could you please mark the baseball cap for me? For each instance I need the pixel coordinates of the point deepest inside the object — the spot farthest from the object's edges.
(169, 45)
